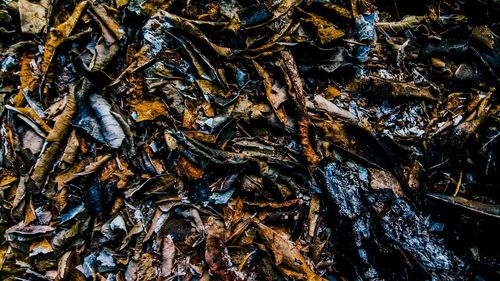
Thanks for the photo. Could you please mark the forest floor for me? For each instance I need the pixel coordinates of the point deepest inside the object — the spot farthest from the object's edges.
(249, 140)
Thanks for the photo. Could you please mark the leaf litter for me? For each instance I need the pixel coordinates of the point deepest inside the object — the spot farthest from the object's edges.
(249, 140)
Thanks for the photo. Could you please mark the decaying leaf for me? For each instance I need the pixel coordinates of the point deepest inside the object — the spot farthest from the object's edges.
(323, 104)
(309, 151)
(273, 97)
(42, 247)
(327, 32)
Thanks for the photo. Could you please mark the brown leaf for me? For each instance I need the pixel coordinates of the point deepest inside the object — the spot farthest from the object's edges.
(40, 247)
(295, 86)
(108, 23)
(144, 269)
(34, 15)
(45, 163)
(22, 229)
(271, 97)
(65, 265)
(216, 254)
(62, 123)
(186, 168)
(309, 151)
(285, 252)
(313, 216)
(167, 256)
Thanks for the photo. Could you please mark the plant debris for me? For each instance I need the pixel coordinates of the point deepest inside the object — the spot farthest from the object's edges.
(249, 140)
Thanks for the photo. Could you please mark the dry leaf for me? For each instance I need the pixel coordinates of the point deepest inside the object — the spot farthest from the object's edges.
(285, 252)
(149, 110)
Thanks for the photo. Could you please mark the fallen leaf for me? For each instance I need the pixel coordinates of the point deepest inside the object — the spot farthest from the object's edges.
(41, 247)
(285, 252)
(149, 110)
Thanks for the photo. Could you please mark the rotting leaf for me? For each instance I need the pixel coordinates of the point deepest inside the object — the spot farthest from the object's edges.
(327, 32)
(167, 256)
(42, 247)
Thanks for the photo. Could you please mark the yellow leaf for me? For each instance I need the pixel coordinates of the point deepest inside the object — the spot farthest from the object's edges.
(339, 10)
(27, 77)
(7, 179)
(326, 30)
(41, 247)
(57, 36)
(149, 110)
(332, 92)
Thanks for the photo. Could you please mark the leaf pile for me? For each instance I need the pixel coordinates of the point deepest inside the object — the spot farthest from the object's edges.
(249, 140)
